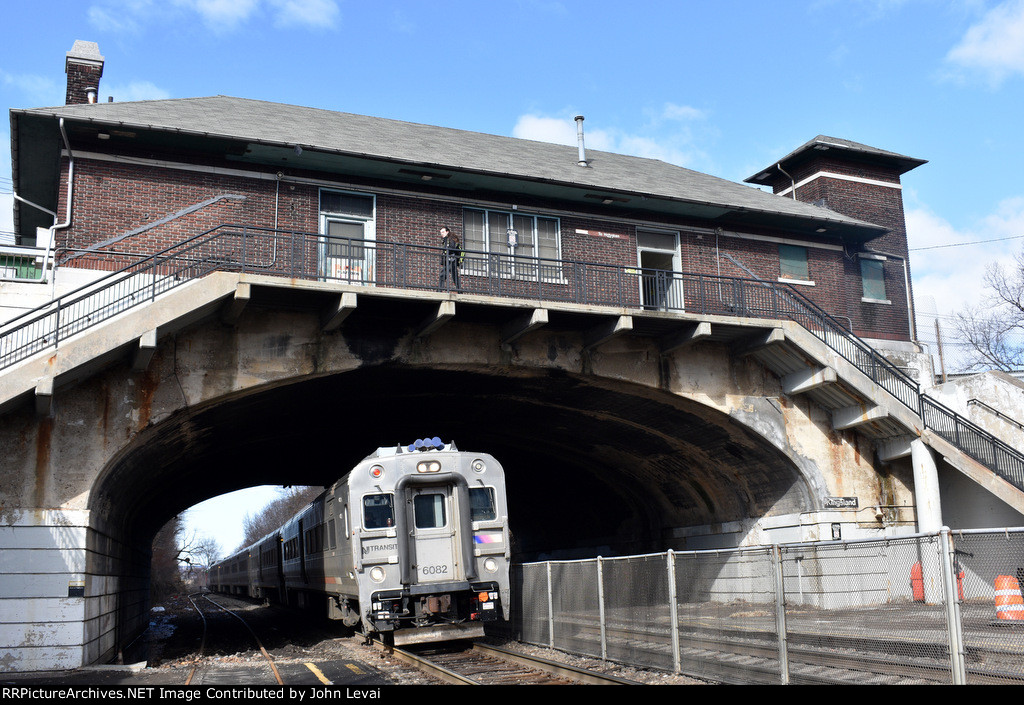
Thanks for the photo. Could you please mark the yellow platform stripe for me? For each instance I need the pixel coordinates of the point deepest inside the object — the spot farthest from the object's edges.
(319, 674)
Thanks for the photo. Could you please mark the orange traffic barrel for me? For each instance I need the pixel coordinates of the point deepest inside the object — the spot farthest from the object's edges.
(1009, 604)
(917, 582)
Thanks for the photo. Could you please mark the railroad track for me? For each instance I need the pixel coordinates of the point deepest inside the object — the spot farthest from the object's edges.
(481, 664)
(745, 656)
(201, 671)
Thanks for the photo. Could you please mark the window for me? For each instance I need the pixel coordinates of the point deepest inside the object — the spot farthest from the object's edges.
(481, 504)
(793, 263)
(491, 231)
(347, 204)
(429, 511)
(378, 511)
(872, 274)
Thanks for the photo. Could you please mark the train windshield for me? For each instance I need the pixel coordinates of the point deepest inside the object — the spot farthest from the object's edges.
(378, 511)
(481, 504)
(429, 511)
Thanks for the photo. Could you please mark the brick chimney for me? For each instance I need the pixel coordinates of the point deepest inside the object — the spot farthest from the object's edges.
(84, 67)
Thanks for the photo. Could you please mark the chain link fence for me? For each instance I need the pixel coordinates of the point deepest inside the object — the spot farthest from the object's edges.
(943, 608)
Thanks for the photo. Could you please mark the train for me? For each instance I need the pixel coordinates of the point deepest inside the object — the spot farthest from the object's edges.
(412, 544)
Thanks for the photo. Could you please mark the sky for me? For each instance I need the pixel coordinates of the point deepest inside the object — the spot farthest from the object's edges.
(726, 87)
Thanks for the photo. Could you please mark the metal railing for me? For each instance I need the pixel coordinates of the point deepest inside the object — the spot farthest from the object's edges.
(929, 608)
(22, 264)
(313, 256)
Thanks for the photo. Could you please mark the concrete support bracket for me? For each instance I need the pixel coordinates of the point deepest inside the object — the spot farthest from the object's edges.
(337, 314)
(606, 331)
(233, 309)
(144, 351)
(806, 380)
(854, 416)
(688, 336)
(445, 312)
(894, 449)
(760, 341)
(522, 325)
(44, 396)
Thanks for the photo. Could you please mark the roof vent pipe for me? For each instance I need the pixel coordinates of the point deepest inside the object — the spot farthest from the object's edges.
(579, 140)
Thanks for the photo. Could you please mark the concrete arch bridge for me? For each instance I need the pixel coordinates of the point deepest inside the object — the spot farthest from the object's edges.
(622, 430)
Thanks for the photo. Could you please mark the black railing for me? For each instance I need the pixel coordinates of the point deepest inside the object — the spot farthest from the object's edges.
(313, 256)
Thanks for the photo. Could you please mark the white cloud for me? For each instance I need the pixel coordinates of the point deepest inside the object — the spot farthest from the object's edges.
(309, 13)
(560, 131)
(995, 45)
(221, 16)
(666, 135)
(949, 276)
(35, 91)
(671, 111)
(401, 23)
(108, 20)
(136, 90)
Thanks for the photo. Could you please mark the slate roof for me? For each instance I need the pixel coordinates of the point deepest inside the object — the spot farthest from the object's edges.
(438, 147)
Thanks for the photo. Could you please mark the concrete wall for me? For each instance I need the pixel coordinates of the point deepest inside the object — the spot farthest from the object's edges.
(998, 390)
(43, 608)
(17, 298)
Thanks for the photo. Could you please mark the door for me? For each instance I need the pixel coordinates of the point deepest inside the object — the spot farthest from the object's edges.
(346, 255)
(658, 255)
(434, 535)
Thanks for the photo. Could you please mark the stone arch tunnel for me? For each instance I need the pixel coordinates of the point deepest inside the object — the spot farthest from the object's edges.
(593, 468)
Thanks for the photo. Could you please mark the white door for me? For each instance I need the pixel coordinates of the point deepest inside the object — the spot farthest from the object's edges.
(660, 263)
(346, 253)
(434, 535)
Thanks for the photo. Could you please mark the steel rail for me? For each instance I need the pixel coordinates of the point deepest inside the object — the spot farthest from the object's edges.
(554, 668)
(535, 663)
(263, 651)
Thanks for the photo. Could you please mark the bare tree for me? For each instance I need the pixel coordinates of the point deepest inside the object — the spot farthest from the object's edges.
(994, 331)
(275, 514)
(165, 571)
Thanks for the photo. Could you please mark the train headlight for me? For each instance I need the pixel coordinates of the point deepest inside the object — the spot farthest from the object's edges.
(490, 565)
(377, 574)
(428, 466)
(376, 472)
(479, 465)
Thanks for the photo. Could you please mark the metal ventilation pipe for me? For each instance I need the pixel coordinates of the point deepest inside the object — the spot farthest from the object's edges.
(579, 140)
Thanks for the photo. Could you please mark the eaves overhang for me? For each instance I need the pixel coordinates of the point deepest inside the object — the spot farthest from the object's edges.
(835, 147)
(610, 184)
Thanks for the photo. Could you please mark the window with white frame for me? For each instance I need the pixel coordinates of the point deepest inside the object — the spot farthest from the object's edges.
(520, 245)
(793, 264)
(872, 274)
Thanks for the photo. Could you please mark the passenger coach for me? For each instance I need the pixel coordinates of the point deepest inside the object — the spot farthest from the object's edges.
(413, 542)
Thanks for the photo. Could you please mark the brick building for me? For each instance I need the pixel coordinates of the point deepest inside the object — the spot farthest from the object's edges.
(130, 179)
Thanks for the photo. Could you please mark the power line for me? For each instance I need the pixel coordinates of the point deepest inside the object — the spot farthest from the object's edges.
(964, 244)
